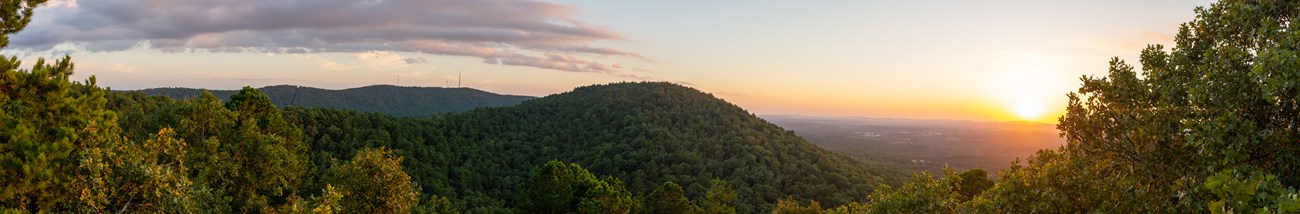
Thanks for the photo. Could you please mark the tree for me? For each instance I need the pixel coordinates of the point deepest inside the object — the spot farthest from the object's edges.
(436, 205)
(972, 183)
(253, 105)
(1255, 193)
(852, 208)
(720, 198)
(14, 16)
(329, 201)
(557, 187)
(375, 183)
(43, 119)
(247, 152)
(669, 198)
(923, 194)
(117, 176)
(40, 118)
(1224, 99)
(790, 205)
(1207, 125)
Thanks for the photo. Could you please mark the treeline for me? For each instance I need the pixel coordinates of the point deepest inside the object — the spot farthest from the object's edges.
(645, 134)
(398, 101)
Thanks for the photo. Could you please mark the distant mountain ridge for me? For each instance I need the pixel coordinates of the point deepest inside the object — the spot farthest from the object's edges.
(400, 101)
(644, 134)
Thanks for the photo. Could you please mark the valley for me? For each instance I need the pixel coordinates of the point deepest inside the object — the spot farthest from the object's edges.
(907, 146)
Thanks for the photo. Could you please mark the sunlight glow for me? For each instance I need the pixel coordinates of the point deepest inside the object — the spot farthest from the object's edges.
(1029, 110)
(1025, 92)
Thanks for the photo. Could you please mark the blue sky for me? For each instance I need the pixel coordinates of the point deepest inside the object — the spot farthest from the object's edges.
(979, 60)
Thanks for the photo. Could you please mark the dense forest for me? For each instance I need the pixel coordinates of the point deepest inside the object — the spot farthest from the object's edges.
(1208, 126)
(401, 101)
(644, 134)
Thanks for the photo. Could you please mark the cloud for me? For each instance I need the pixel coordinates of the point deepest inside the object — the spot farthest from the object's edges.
(61, 3)
(555, 61)
(415, 60)
(117, 68)
(509, 32)
(382, 60)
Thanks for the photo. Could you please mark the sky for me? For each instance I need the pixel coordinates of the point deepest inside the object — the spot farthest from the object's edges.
(960, 60)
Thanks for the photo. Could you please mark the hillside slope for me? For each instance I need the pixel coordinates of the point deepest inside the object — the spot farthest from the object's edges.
(398, 101)
(642, 133)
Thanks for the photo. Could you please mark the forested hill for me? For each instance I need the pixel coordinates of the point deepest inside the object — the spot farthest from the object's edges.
(644, 134)
(401, 101)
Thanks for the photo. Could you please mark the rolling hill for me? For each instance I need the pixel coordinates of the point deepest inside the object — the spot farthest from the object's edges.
(392, 100)
(642, 133)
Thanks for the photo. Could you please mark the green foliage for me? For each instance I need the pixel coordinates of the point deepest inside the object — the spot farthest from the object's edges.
(390, 100)
(1207, 126)
(642, 133)
(44, 118)
(252, 102)
(375, 183)
(923, 194)
(115, 176)
(330, 201)
(790, 205)
(720, 198)
(972, 183)
(1254, 193)
(249, 157)
(61, 150)
(851, 208)
(247, 152)
(669, 199)
(557, 187)
(436, 205)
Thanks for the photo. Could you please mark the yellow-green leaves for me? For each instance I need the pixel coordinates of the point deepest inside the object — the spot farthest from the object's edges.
(374, 183)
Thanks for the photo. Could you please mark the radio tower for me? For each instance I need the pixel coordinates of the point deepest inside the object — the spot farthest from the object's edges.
(459, 74)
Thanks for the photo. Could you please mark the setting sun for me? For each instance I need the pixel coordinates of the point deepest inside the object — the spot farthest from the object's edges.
(1029, 110)
(1026, 93)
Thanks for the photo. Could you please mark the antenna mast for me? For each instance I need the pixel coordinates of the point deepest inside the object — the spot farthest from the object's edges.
(459, 75)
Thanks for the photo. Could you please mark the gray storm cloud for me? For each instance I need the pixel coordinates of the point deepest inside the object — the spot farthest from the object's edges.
(510, 32)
